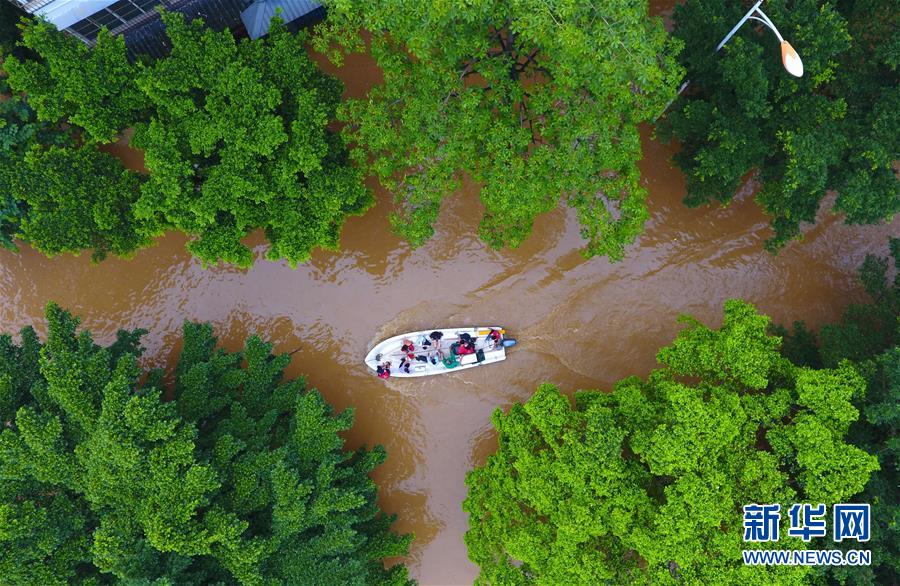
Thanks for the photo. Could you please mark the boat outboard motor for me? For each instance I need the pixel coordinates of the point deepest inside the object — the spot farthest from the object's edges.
(509, 342)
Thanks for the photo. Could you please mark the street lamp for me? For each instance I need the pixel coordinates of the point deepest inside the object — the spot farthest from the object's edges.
(789, 56)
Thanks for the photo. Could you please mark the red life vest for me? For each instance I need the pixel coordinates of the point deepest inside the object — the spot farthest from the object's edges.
(463, 349)
(384, 373)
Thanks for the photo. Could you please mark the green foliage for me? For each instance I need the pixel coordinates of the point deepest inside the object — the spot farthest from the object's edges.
(235, 136)
(238, 140)
(645, 485)
(869, 334)
(798, 345)
(832, 129)
(19, 131)
(740, 351)
(56, 192)
(77, 199)
(867, 329)
(240, 479)
(536, 101)
(878, 432)
(92, 88)
(9, 32)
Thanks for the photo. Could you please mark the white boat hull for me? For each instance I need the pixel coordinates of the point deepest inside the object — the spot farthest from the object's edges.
(389, 350)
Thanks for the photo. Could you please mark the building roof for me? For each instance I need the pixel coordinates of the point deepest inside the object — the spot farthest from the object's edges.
(258, 15)
(65, 13)
(147, 36)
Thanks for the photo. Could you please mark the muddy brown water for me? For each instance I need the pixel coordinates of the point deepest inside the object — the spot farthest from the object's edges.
(581, 323)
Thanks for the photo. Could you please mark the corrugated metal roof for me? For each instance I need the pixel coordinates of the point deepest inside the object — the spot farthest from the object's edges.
(65, 13)
(150, 38)
(258, 15)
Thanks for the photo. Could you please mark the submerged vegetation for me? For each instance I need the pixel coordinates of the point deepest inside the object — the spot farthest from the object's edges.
(833, 129)
(234, 133)
(538, 102)
(645, 484)
(229, 475)
(225, 473)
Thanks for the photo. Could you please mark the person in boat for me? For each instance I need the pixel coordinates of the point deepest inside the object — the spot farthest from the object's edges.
(432, 344)
(466, 345)
(384, 370)
(495, 337)
(408, 350)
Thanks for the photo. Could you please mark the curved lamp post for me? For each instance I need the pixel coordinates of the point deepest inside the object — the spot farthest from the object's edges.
(789, 56)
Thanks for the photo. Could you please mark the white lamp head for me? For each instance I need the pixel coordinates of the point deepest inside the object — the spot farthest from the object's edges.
(791, 60)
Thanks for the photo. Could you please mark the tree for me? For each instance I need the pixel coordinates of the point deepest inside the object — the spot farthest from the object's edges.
(9, 32)
(832, 129)
(91, 88)
(645, 484)
(241, 478)
(878, 432)
(865, 329)
(536, 101)
(57, 192)
(235, 134)
(19, 131)
(78, 198)
(239, 140)
(868, 334)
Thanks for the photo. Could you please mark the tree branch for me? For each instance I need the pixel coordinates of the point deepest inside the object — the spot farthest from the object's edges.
(521, 66)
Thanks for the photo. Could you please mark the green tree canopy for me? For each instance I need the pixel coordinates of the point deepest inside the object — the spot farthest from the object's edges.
(878, 432)
(76, 199)
(535, 100)
(56, 192)
(645, 484)
(832, 129)
(91, 88)
(868, 334)
(235, 136)
(9, 31)
(239, 140)
(865, 329)
(61, 197)
(19, 131)
(240, 478)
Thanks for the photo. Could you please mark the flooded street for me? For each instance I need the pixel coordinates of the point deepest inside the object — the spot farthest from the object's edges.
(580, 323)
